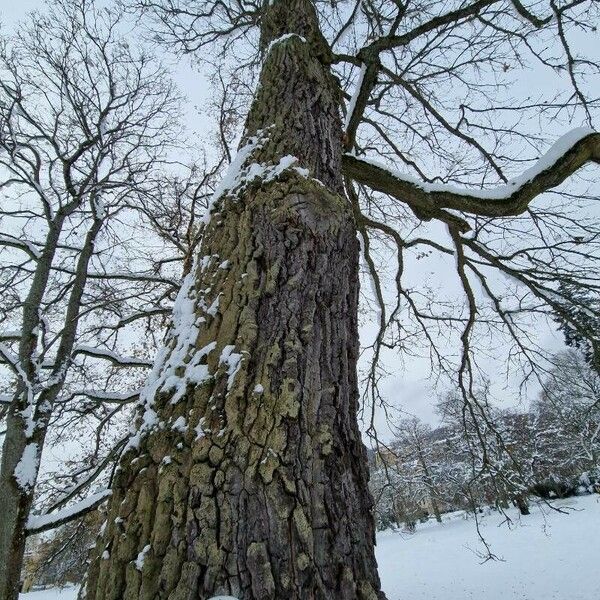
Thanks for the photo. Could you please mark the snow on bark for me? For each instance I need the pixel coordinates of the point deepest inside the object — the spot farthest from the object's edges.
(284, 38)
(185, 326)
(189, 304)
(139, 561)
(26, 470)
(180, 425)
(239, 174)
(233, 361)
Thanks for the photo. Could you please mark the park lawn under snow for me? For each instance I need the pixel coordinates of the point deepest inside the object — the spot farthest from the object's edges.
(68, 593)
(546, 556)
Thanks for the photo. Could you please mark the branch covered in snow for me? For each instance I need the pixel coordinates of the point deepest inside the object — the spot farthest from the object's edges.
(40, 523)
(21, 244)
(108, 397)
(113, 357)
(428, 200)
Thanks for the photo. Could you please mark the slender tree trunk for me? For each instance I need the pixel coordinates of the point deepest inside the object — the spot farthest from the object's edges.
(16, 497)
(28, 417)
(522, 504)
(435, 507)
(430, 488)
(23, 440)
(251, 477)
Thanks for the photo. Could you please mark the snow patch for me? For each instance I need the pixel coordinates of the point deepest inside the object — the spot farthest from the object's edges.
(233, 361)
(141, 557)
(547, 555)
(233, 175)
(284, 38)
(199, 429)
(26, 470)
(179, 425)
(239, 175)
(182, 337)
(354, 98)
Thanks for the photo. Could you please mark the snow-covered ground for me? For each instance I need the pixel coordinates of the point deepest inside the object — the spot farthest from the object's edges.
(546, 556)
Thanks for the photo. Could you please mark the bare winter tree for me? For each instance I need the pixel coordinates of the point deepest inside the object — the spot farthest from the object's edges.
(567, 417)
(405, 123)
(488, 445)
(86, 279)
(549, 451)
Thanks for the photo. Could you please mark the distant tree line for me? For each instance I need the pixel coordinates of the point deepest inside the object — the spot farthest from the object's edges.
(550, 451)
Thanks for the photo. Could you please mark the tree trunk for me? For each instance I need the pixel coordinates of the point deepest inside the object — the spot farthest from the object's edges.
(522, 504)
(435, 508)
(430, 488)
(20, 462)
(249, 476)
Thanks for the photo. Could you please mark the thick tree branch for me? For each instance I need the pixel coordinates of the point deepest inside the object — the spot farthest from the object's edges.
(449, 18)
(428, 200)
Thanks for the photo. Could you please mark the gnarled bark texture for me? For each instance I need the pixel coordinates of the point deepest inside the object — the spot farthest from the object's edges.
(253, 479)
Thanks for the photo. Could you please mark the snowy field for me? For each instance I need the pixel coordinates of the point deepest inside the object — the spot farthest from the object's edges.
(68, 593)
(546, 556)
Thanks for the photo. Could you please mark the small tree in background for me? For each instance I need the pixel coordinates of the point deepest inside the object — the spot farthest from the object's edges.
(567, 431)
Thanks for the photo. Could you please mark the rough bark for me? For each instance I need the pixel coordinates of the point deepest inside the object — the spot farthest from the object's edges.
(260, 490)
